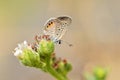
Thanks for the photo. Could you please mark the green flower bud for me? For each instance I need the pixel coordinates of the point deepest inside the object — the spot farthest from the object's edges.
(30, 58)
(64, 68)
(100, 73)
(68, 67)
(46, 47)
(27, 56)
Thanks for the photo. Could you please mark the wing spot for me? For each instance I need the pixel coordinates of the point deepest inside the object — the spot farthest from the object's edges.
(59, 29)
(49, 24)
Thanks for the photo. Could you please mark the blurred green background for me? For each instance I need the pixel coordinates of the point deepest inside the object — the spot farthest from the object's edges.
(94, 33)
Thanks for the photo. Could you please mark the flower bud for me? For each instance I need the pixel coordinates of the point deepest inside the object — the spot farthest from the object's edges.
(27, 56)
(100, 73)
(68, 67)
(64, 68)
(46, 47)
(30, 58)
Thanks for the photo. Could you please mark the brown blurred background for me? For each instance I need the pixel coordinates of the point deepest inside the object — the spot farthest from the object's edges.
(94, 33)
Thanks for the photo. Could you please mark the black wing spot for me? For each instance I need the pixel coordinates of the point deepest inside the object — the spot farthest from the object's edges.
(51, 22)
(65, 23)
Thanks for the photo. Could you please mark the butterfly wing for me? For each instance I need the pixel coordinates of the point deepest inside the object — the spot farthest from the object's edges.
(56, 27)
(50, 27)
(62, 28)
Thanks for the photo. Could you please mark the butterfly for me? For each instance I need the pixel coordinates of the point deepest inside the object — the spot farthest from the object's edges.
(57, 27)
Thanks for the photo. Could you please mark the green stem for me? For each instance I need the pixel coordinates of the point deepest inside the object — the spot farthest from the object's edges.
(54, 73)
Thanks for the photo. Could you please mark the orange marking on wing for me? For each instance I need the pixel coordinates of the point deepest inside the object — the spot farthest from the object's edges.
(50, 25)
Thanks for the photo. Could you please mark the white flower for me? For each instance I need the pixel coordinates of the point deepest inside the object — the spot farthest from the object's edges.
(20, 48)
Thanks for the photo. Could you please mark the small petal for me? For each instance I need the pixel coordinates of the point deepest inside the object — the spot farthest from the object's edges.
(25, 42)
(19, 45)
(16, 48)
(18, 52)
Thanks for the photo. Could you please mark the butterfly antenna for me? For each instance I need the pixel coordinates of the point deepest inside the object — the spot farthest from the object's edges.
(65, 42)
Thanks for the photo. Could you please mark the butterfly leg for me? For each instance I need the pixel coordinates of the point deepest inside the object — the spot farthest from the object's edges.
(66, 43)
(58, 42)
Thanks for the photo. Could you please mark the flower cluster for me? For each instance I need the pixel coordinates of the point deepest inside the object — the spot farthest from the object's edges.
(40, 54)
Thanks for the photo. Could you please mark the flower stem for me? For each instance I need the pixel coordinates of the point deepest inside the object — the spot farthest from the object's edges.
(54, 73)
